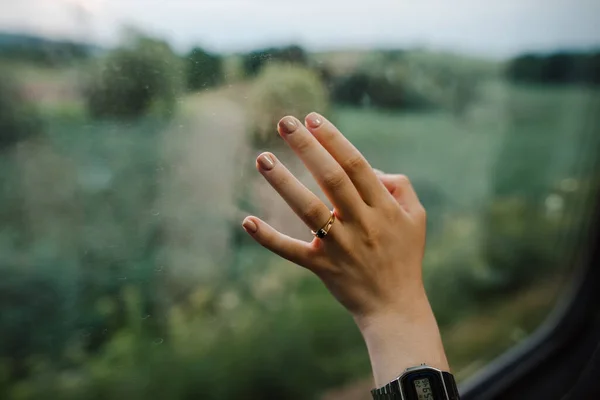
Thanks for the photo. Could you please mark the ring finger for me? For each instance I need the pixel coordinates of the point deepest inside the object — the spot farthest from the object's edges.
(305, 203)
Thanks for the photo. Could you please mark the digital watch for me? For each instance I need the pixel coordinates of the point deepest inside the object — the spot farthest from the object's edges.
(419, 383)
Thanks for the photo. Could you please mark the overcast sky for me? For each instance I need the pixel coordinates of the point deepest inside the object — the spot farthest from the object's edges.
(494, 28)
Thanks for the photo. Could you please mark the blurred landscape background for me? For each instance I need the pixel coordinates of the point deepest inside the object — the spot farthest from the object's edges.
(126, 171)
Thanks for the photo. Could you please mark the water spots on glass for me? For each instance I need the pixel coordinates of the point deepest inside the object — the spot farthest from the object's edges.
(156, 213)
(146, 316)
(159, 268)
(158, 341)
(569, 185)
(554, 204)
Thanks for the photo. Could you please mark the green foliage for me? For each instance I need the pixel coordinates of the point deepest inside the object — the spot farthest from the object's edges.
(19, 119)
(409, 81)
(557, 68)
(282, 90)
(203, 69)
(543, 176)
(253, 62)
(196, 354)
(385, 91)
(135, 79)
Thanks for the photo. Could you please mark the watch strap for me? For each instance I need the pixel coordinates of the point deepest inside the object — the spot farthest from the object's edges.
(391, 391)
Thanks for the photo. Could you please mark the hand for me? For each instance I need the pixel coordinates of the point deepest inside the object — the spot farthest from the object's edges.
(371, 258)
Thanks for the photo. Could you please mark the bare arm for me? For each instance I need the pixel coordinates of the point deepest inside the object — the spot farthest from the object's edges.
(371, 258)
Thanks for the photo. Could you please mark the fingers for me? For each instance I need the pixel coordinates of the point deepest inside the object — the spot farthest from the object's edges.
(325, 169)
(402, 191)
(352, 161)
(294, 250)
(304, 202)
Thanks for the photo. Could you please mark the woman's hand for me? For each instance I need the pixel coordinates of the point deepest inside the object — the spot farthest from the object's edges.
(371, 258)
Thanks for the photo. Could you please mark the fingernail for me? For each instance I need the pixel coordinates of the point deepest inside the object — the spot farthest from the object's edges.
(288, 125)
(314, 120)
(249, 226)
(266, 162)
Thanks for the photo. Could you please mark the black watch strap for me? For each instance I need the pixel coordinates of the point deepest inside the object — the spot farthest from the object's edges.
(392, 390)
(450, 384)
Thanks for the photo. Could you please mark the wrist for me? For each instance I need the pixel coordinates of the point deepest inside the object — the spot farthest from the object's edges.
(401, 337)
(409, 307)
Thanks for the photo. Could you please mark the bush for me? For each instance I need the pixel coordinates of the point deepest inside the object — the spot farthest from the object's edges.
(203, 69)
(283, 90)
(18, 118)
(135, 79)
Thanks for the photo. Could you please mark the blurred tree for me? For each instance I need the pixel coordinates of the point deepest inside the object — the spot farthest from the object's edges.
(280, 90)
(388, 89)
(203, 69)
(142, 76)
(555, 68)
(350, 89)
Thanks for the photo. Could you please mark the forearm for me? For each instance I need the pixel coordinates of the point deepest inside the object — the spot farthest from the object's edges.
(402, 338)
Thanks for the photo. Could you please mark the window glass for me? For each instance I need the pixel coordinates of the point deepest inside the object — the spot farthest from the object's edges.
(128, 133)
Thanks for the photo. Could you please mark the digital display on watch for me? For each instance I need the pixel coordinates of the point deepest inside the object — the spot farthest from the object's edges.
(423, 389)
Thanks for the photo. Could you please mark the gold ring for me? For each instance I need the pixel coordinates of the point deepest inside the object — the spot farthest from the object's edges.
(321, 233)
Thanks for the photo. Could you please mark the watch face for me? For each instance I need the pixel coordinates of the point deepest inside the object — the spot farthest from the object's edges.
(423, 389)
(425, 384)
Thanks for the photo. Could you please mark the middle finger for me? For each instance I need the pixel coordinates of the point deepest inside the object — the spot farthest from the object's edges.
(305, 203)
(328, 173)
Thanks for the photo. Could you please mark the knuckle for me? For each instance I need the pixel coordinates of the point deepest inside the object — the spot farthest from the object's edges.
(372, 236)
(334, 180)
(303, 145)
(313, 212)
(354, 164)
(403, 181)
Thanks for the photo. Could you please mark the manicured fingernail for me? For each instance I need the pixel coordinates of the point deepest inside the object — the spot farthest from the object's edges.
(288, 125)
(314, 120)
(266, 162)
(249, 226)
